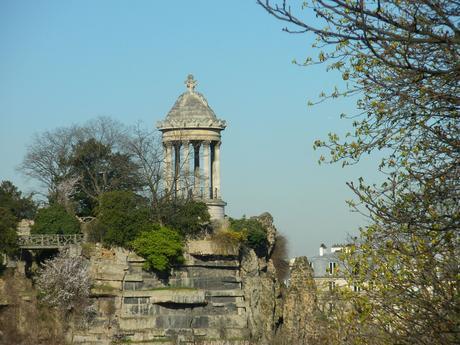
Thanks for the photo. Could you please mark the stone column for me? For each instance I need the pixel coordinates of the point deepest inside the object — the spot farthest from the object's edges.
(186, 170)
(167, 149)
(177, 179)
(216, 171)
(196, 170)
(206, 165)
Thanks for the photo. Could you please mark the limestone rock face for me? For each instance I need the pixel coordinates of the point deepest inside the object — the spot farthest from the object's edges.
(209, 248)
(266, 220)
(24, 226)
(262, 290)
(3, 295)
(299, 306)
(201, 302)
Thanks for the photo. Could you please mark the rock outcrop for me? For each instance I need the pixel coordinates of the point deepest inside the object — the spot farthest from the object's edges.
(218, 296)
(266, 220)
(263, 298)
(300, 307)
(262, 290)
(22, 320)
(202, 302)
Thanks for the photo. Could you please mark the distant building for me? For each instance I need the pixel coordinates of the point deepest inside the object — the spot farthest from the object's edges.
(328, 273)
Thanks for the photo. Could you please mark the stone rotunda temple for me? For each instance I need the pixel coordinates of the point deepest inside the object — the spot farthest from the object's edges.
(191, 142)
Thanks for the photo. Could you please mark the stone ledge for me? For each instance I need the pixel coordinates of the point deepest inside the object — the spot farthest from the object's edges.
(182, 322)
(225, 293)
(192, 261)
(133, 278)
(209, 248)
(173, 296)
(133, 257)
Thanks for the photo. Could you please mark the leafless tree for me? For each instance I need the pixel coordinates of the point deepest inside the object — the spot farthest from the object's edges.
(47, 155)
(144, 146)
(50, 157)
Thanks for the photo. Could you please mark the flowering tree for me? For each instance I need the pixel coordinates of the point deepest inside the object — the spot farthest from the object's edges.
(64, 281)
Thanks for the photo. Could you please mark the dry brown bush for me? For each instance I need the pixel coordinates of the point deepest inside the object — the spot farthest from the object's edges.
(228, 241)
(279, 257)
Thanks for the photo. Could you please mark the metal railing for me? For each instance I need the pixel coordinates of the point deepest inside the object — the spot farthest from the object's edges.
(48, 241)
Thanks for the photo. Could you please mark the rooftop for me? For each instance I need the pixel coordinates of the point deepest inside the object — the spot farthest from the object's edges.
(191, 110)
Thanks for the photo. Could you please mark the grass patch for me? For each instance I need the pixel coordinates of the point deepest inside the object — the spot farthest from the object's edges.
(105, 287)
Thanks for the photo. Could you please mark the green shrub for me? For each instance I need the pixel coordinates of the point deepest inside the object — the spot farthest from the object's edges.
(13, 208)
(121, 216)
(55, 220)
(256, 234)
(95, 231)
(8, 236)
(161, 247)
(189, 217)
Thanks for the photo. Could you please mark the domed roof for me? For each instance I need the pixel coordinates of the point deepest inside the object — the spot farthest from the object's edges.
(191, 110)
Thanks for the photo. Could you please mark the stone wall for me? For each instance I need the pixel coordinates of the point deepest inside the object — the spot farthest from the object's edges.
(202, 302)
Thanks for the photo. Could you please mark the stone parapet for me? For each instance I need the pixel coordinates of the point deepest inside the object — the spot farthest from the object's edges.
(170, 296)
(209, 248)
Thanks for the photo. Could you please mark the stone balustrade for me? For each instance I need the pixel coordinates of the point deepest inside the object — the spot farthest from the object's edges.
(48, 241)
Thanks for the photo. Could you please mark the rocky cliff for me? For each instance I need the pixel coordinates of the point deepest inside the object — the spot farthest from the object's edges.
(217, 297)
(262, 290)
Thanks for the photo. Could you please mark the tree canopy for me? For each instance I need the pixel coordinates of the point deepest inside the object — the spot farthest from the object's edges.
(99, 170)
(54, 219)
(8, 236)
(78, 163)
(400, 57)
(11, 198)
(13, 208)
(122, 216)
(187, 216)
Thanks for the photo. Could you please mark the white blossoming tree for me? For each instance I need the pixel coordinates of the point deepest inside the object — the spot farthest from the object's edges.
(64, 282)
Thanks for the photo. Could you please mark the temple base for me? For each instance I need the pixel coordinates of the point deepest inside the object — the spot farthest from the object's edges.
(216, 208)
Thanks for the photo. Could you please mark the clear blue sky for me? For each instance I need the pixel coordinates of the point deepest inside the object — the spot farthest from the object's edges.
(65, 62)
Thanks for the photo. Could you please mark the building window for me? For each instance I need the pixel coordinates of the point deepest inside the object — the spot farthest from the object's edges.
(331, 286)
(332, 267)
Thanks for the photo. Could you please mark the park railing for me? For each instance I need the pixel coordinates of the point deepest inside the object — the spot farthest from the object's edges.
(48, 241)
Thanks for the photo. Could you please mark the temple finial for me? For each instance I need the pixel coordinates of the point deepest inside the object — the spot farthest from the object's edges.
(191, 83)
